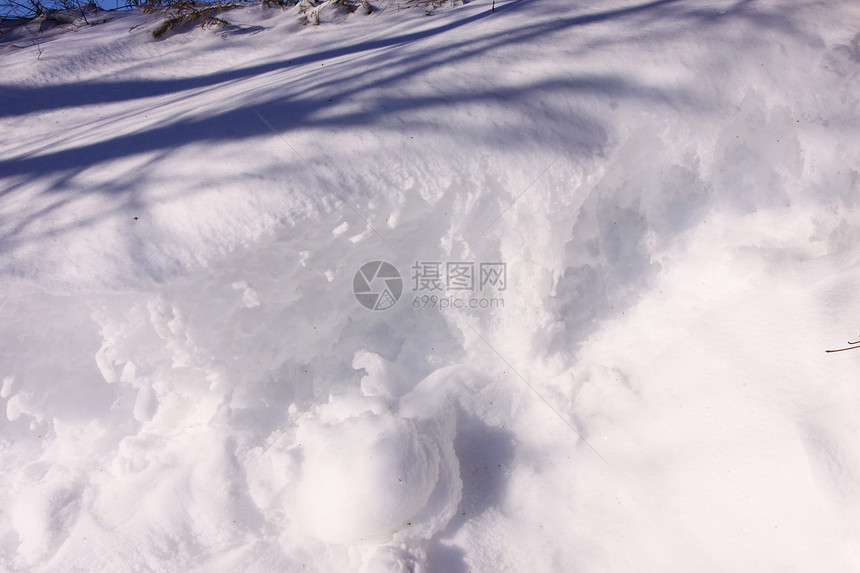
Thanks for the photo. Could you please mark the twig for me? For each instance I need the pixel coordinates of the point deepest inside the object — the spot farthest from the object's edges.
(852, 347)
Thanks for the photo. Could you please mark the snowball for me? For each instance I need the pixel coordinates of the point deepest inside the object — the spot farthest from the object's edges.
(366, 477)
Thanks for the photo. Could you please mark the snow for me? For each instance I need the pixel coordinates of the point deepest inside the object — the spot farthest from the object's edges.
(188, 383)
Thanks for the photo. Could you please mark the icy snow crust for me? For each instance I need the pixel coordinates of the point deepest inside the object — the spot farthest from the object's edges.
(188, 384)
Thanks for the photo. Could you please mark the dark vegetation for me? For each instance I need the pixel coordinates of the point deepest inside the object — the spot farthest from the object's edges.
(175, 14)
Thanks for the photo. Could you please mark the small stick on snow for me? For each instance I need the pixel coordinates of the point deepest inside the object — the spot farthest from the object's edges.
(852, 347)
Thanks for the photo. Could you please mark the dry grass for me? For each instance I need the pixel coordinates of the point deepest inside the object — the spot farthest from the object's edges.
(184, 14)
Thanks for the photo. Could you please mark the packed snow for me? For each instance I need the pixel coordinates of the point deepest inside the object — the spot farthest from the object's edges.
(188, 381)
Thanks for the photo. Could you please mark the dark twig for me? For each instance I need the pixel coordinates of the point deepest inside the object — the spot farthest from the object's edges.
(852, 347)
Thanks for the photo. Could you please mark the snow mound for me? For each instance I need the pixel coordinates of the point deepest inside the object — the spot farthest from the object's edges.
(374, 477)
(188, 382)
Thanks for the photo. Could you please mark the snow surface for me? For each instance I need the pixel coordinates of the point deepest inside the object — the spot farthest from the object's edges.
(189, 384)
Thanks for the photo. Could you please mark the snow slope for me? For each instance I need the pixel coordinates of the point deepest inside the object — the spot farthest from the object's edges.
(189, 383)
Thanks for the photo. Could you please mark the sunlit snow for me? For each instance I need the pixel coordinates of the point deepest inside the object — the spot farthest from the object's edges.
(659, 203)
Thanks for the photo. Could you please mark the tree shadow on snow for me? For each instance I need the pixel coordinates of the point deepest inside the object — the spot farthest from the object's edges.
(308, 97)
(303, 101)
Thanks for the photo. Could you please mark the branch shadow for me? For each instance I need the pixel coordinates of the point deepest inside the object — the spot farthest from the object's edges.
(307, 98)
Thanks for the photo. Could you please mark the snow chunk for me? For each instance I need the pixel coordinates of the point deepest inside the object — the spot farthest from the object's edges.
(145, 404)
(378, 477)
(6, 388)
(250, 296)
(365, 478)
(340, 229)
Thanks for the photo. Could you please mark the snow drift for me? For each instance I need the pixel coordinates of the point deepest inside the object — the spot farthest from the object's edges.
(189, 384)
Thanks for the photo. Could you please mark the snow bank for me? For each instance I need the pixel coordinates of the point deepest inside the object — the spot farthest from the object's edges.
(187, 381)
